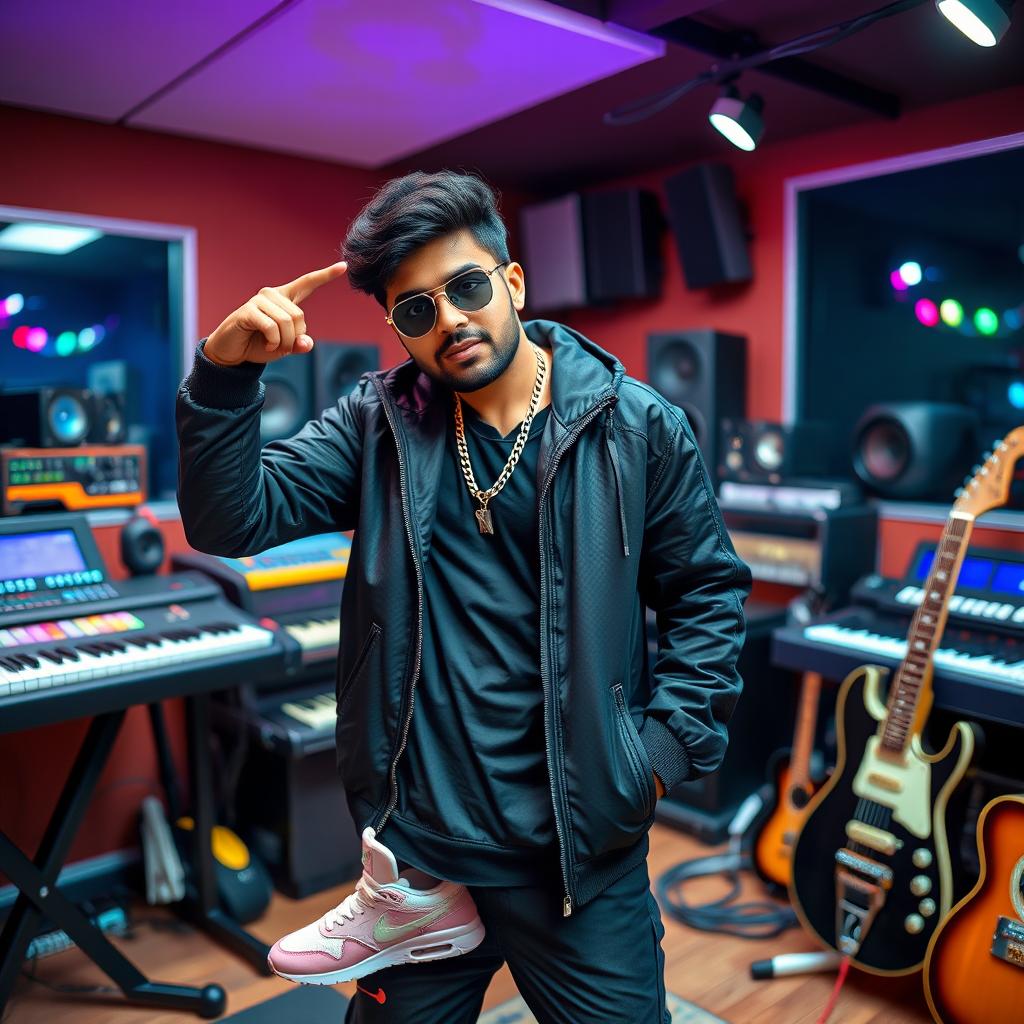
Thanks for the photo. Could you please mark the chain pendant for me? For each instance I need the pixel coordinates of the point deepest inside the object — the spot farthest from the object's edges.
(483, 520)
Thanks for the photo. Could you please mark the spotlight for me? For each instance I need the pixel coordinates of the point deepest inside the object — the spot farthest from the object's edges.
(983, 21)
(738, 120)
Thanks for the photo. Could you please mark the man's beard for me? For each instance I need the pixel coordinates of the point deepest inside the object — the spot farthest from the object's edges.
(494, 359)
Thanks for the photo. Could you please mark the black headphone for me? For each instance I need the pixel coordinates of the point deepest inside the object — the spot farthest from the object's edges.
(142, 543)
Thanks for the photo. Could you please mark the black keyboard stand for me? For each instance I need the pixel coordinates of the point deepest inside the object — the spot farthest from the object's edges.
(39, 896)
(200, 906)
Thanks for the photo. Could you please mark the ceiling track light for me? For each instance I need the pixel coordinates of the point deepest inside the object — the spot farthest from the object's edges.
(983, 21)
(739, 120)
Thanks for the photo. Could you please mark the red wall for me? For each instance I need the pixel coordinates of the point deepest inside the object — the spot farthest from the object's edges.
(263, 218)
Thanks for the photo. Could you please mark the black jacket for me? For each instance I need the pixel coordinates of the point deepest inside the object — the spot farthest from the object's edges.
(627, 519)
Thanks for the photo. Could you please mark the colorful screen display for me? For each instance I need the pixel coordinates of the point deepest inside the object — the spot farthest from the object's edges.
(33, 555)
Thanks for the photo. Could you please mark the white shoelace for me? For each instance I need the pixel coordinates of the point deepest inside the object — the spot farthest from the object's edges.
(355, 903)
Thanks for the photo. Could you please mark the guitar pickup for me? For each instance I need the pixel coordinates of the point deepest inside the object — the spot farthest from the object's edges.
(874, 838)
(870, 869)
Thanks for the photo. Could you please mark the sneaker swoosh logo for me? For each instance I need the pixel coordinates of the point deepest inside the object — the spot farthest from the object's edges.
(378, 995)
(385, 932)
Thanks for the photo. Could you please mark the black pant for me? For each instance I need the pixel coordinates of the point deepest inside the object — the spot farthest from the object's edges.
(602, 965)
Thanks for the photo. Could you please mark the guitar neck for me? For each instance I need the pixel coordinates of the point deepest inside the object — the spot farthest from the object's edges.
(911, 687)
(803, 737)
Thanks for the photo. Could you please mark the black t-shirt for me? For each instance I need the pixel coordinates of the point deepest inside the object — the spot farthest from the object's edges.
(474, 802)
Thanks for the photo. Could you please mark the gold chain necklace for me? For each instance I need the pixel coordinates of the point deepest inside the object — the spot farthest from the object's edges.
(483, 513)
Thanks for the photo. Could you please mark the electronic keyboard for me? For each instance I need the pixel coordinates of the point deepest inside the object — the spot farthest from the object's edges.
(979, 667)
(295, 590)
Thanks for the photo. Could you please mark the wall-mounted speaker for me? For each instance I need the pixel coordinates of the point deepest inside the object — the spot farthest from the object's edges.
(553, 253)
(915, 450)
(622, 242)
(48, 417)
(289, 396)
(755, 451)
(707, 223)
(704, 372)
(337, 367)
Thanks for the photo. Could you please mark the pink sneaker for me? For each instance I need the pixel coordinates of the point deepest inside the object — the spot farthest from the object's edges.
(384, 922)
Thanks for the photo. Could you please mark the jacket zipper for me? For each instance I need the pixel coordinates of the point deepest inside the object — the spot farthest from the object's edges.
(546, 683)
(419, 598)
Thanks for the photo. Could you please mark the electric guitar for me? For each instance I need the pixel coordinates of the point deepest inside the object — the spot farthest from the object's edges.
(974, 970)
(793, 786)
(872, 875)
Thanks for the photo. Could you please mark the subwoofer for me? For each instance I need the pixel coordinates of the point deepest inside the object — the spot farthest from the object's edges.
(703, 372)
(288, 402)
(48, 417)
(338, 366)
(755, 451)
(915, 450)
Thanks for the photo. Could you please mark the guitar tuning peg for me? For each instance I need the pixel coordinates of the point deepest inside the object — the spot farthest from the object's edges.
(958, 492)
(975, 470)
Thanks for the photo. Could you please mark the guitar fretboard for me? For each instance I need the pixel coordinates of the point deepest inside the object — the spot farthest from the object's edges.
(925, 631)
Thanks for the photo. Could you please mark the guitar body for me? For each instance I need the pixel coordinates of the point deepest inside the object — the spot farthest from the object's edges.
(888, 814)
(780, 823)
(965, 981)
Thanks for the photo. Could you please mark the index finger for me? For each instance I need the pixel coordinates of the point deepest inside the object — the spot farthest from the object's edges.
(304, 286)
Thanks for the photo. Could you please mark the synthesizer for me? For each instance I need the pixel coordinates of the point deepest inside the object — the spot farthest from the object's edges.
(74, 642)
(979, 667)
(295, 590)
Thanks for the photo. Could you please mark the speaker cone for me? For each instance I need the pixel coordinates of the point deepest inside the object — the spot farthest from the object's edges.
(67, 418)
(676, 375)
(770, 451)
(109, 425)
(282, 411)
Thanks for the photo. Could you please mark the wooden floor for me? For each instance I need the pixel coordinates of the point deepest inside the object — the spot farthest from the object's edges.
(710, 970)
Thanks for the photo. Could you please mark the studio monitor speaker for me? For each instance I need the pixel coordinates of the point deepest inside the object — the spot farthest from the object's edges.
(289, 400)
(109, 424)
(708, 225)
(622, 240)
(118, 399)
(553, 254)
(48, 417)
(704, 372)
(756, 451)
(337, 367)
(915, 450)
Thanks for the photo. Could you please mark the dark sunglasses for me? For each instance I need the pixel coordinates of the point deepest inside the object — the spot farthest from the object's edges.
(471, 290)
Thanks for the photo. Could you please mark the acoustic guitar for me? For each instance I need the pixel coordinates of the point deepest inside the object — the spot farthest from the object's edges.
(792, 787)
(872, 875)
(974, 969)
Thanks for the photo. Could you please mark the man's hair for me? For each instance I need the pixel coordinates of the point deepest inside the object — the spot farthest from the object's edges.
(406, 213)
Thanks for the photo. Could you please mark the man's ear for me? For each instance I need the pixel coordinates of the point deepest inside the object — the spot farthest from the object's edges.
(516, 285)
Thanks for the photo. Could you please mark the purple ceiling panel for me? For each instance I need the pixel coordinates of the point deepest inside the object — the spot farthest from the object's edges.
(366, 82)
(99, 58)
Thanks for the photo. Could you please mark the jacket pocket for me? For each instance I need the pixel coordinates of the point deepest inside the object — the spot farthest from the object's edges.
(636, 753)
(345, 687)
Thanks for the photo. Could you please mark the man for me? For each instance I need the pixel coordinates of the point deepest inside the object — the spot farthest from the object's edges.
(517, 501)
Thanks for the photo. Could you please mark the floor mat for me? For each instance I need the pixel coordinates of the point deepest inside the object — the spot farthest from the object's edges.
(299, 1005)
(515, 1011)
